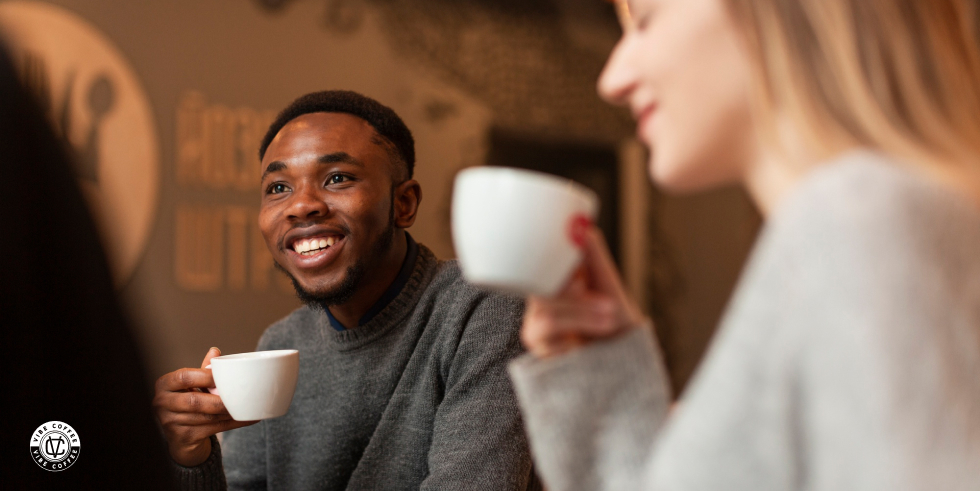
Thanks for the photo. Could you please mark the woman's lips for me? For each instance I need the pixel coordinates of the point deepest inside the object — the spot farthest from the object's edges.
(644, 119)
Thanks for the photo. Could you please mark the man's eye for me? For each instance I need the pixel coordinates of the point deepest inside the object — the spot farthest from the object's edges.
(278, 188)
(337, 179)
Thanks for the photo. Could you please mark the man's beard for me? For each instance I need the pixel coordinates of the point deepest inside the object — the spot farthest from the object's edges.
(343, 292)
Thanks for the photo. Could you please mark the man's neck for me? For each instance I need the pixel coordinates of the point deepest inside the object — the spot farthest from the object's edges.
(373, 285)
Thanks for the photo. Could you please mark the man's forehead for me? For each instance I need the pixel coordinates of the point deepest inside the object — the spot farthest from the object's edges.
(327, 123)
(324, 131)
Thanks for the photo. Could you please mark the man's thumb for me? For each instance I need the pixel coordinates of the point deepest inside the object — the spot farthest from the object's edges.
(211, 354)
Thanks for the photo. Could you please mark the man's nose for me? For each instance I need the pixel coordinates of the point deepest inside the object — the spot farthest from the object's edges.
(307, 203)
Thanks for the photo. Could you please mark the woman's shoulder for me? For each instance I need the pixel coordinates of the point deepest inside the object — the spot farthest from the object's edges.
(869, 236)
(870, 262)
(864, 247)
(866, 200)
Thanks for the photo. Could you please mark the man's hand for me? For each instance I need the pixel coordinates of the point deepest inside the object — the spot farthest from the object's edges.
(189, 415)
(594, 305)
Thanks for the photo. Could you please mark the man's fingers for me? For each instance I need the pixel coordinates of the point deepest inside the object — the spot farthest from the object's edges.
(199, 432)
(184, 379)
(193, 434)
(197, 419)
(232, 424)
(211, 354)
(192, 402)
(206, 364)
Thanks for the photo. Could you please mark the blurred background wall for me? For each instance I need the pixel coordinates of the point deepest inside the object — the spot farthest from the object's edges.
(165, 128)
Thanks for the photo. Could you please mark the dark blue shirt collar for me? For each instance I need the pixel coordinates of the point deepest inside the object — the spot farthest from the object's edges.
(396, 287)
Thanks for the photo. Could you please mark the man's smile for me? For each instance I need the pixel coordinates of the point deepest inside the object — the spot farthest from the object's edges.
(313, 247)
(328, 207)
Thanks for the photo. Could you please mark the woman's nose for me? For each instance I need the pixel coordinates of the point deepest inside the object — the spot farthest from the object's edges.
(618, 78)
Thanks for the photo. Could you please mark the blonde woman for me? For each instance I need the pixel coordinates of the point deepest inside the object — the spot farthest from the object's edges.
(849, 357)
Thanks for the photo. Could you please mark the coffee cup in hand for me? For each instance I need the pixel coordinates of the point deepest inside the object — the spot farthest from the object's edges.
(257, 385)
(519, 231)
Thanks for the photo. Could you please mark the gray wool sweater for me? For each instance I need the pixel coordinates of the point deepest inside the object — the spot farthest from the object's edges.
(416, 398)
(849, 359)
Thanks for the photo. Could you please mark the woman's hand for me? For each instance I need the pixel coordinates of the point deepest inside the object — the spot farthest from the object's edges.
(593, 306)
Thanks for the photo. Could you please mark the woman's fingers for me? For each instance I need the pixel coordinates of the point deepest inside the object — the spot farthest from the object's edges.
(550, 346)
(556, 325)
(605, 277)
(600, 265)
(590, 315)
(593, 305)
(577, 285)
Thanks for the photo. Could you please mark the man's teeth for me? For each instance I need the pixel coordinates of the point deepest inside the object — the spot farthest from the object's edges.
(308, 247)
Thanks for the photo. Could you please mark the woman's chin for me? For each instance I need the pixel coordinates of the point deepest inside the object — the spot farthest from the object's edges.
(676, 177)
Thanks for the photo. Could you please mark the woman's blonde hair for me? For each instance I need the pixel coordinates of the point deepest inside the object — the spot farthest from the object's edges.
(901, 76)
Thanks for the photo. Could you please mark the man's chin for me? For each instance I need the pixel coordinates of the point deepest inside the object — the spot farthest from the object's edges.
(321, 296)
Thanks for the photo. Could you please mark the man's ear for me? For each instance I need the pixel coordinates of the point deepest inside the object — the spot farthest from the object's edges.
(407, 197)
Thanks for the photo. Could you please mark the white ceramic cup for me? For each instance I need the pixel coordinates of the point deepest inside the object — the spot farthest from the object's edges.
(514, 229)
(257, 385)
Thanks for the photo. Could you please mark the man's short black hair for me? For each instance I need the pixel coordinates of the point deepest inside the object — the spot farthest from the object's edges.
(384, 120)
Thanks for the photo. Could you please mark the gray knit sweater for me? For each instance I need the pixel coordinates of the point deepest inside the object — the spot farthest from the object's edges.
(849, 359)
(416, 398)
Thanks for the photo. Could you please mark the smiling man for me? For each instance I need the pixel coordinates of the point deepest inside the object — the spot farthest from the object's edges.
(402, 364)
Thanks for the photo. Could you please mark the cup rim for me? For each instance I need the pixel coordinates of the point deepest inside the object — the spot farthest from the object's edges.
(541, 178)
(255, 355)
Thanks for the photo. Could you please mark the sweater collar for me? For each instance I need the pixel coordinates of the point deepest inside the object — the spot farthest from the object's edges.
(396, 287)
(391, 314)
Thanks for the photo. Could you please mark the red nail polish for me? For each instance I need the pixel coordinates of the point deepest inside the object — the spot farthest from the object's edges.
(578, 227)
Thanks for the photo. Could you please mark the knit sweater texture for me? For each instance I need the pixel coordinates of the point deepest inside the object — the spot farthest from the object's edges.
(416, 398)
(848, 360)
